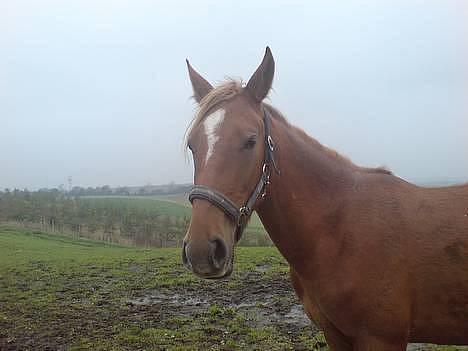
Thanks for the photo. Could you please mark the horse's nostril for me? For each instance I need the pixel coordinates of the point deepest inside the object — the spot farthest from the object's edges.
(219, 253)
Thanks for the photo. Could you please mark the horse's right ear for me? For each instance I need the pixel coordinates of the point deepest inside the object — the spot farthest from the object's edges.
(200, 85)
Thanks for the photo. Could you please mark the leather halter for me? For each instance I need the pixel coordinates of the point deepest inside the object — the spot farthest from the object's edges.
(241, 215)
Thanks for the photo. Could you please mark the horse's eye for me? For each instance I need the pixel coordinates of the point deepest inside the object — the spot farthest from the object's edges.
(250, 143)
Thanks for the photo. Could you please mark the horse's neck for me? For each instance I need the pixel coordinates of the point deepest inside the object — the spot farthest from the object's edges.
(304, 202)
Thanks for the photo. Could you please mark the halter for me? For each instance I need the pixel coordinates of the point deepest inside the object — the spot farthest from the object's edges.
(241, 215)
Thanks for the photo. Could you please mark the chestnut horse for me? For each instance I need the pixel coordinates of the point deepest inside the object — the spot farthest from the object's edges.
(376, 261)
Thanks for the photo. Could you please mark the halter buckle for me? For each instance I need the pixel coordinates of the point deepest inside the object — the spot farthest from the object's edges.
(266, 173)
(271, 143)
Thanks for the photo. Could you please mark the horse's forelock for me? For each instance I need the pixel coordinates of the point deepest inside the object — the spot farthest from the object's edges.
(213, 99)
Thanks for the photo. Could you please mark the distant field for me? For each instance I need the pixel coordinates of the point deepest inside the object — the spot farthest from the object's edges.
(172, 205)
(59, 293)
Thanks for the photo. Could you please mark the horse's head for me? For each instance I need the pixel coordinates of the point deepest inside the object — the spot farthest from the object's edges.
(229, 146)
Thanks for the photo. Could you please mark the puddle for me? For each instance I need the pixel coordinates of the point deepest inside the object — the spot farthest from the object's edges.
(296, 316)
(157, 298)
(262, 268)
(261, 309)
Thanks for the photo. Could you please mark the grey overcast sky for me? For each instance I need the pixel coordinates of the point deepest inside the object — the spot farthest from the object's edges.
(98, 90)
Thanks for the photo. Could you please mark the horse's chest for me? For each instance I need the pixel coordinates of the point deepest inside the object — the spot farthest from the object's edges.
(310, 301)
(326, 306)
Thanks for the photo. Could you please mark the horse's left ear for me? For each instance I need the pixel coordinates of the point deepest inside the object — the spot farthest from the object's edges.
(260, 83)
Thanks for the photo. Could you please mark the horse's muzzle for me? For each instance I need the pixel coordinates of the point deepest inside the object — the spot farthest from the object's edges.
(210, 260)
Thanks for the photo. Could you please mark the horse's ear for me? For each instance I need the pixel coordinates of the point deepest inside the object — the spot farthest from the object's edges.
(200, 85)
(260, 83)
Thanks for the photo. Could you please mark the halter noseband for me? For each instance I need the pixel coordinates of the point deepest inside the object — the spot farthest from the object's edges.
(241, 215)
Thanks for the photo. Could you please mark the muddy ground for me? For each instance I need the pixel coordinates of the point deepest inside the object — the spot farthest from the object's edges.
(263, 303)
(210, 316)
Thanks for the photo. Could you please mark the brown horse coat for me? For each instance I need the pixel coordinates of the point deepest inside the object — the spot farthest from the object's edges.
(376, 261)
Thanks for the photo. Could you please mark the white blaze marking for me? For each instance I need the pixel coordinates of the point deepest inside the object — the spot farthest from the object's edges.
(211, 124)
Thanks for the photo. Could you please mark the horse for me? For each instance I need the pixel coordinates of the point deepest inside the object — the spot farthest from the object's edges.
(376, 261)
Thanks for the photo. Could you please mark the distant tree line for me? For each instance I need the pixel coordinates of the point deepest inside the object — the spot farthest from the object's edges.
(147, 190)
(53, 210)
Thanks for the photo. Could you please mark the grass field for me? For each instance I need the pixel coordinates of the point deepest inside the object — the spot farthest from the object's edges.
(58, 293)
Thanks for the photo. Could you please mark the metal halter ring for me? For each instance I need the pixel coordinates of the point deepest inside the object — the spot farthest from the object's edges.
(271, 143)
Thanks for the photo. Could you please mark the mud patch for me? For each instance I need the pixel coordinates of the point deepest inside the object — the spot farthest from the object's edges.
(252, 298)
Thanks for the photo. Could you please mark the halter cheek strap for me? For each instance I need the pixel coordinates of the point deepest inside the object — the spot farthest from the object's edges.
(241, 215)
